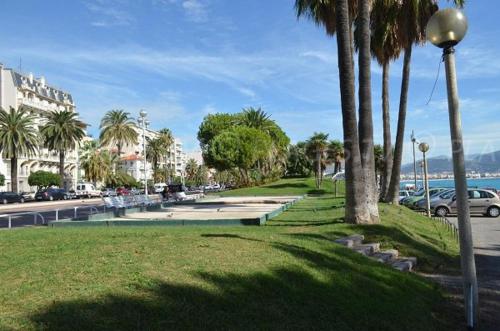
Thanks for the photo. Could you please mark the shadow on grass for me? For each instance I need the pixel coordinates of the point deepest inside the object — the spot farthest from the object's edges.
(228, 235)
(347, 296)
(287, 185)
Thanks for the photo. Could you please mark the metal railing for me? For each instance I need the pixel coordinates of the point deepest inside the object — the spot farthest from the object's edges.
(444, 221)
(10, 217)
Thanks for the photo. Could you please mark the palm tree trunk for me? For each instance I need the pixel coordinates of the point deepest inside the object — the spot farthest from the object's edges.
(355, 209)
(365, 111)
(318, 170)
(61, 169)
(386, 122)
(13, 174)
(393, 192)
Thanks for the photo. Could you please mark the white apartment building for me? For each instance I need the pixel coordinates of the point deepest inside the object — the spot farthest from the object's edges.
(132, 162)
(21, 90)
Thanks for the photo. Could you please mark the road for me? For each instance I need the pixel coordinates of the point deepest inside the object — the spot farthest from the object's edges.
(486, 236)
(48, 211)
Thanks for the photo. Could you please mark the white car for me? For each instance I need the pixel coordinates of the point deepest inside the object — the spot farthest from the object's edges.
(87, 190)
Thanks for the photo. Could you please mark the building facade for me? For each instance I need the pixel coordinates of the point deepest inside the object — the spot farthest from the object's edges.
(132, 162)
(23, 90)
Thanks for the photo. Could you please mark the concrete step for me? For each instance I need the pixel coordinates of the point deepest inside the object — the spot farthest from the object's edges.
(367, 249)
(385, 256)
(404, 263)
(350, 241)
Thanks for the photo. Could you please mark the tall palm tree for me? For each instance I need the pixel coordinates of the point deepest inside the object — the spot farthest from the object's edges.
(61, 132)
(411, 22)
(118, 128)
(168, 140)
(385, 48)
(337, 17)
(18, 138)
(316, 147)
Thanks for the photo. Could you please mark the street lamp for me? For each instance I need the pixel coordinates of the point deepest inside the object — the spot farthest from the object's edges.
(424, 148)
(414, 141)
(445, 29)
(143, 123)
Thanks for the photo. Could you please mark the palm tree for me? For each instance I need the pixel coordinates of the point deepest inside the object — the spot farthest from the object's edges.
(316, 147)
(97, 163)
(18, 138)
(336, 154)
(155, 150)
(337, 18)
(168, 140)
(256, 118)
(412, 19)
(62, 131)
(385, 48)
(191, 169)
(117, 128)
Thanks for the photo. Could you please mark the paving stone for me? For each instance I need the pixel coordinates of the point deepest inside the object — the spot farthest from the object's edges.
(350, 241)
(367, 249)
(404, 263)
(385, 256)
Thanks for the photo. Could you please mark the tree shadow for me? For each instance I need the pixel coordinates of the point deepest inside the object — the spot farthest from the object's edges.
(228, 235)
(347, 296)
(288, 185)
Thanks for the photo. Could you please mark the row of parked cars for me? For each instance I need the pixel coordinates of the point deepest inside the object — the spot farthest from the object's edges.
(443, 201)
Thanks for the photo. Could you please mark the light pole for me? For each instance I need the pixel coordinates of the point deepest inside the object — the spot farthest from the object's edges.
(414, 140)
(424, 148)
(445, 29)
(143, 123)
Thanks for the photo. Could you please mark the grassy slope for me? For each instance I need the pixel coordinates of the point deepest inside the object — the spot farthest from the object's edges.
(285, 275)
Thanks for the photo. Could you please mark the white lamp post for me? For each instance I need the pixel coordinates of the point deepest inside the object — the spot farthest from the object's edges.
(445, 29)
(424, 148)
(143, 123)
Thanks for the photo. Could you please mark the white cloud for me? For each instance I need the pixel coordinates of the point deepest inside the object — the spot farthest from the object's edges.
(195, 10)
(109, 13)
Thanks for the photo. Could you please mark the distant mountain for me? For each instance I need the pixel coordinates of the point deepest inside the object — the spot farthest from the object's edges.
(481, 163)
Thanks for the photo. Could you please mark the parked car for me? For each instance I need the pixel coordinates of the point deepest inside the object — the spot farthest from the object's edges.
(50, 194)
(436, 199)
(28, 196)
(122, 191)
(481, 202)
(87, 190)
(158, 187)
(412, 201)
(9, 197)
(108, 192)
(71, 194)
(403, 194)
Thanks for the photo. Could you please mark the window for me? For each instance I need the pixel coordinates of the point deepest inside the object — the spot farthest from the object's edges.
(485, 195)
(474, 195)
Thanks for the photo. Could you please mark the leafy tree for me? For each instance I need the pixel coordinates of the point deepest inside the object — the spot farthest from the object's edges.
(121, 179)
(42, 179)
(117, 128)
(18, 138)
(62, 131)
(2, 180)
(240, 148)
(213, 125)
(316, 148)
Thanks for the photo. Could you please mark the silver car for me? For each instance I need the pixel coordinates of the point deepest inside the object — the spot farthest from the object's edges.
(480, 202)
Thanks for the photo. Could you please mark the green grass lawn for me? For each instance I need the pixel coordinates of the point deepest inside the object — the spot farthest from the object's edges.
(285, 275)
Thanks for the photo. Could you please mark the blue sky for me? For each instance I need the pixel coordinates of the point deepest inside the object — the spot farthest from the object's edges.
(183, 59)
